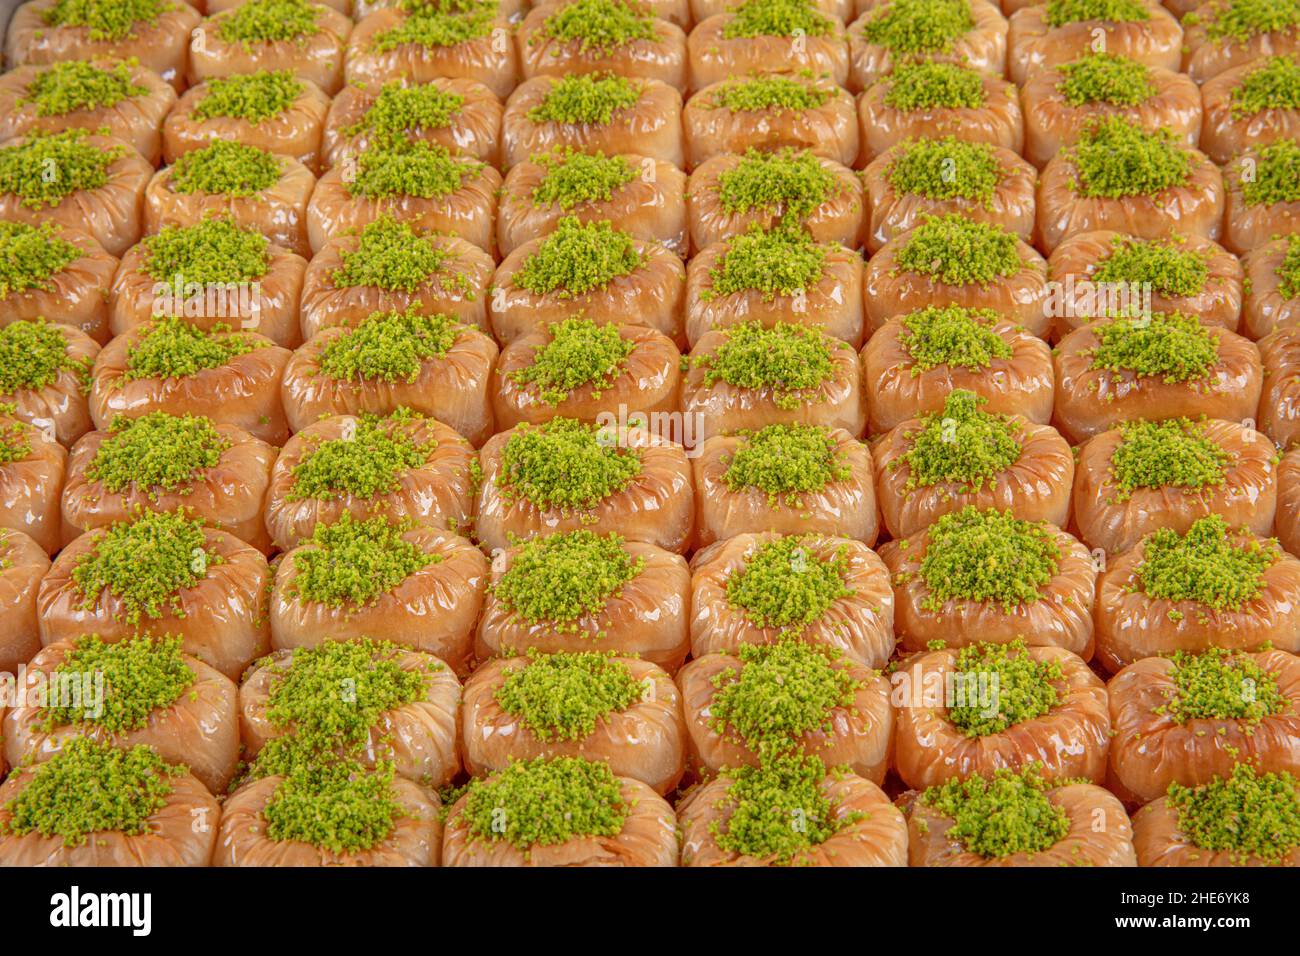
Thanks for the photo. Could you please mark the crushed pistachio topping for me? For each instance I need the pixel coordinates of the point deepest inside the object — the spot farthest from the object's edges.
(30, 255)
(1249, 814)
(354, 562)
(1002, 685)
(392, 256)
(400, 111)
(432, 29)
(14, 446)
(112, 20)
(226, 168)
(327, 701)
(989, 557)
(253, 97)
(776, 18)
(601, 27)
(927, 85)
(269, 21)
(1288, 271)
(89, 788)
(579, 257)
(781, 692)
(769, 261)
(962, 444)
(944, 169)
(157, 453)
(563, 696)
(343, 813)
(579, 353)
(1165, 265)
(141, 675)
(564, 464)
(33, 354)
(1276, 175)
(208, 252)
(365, 464)
(404, 168)
(783, 585)
(63, 88)
(918, 26)
(779, 93)
(1115, 157)
(561, 578)
(46, 168)
(1000, 815)
(1204, 565)
(144, 564)
(1058, 13)
(172, 348)
(1221, 685)
(544, 803)
(793, 361)
(389, 346)
(1105, 78)
(786, 462)
(572, 178)
(1273, 84)
(764, 800)
(1169, 345)
(790, 182)
(586, 98)
(952, 336)
(1242, 19)
(958, 251)
(1175, 453)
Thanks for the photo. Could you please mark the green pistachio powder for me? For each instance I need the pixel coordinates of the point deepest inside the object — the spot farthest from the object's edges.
(252, 97)
(226, 168)
(392, 256)
(790, 183)
(33, 354)
(48, 167)
(173, 348)
(1288, 271)
(918, 26)
(1002, 814)
(74, 86)
(988, 557)
(599, 27)
(1022, 688)
(368, 464)
(572, 179)
(771, 262)
(30, 255)
(1115, 158)
(564, 696)
(402, 168)
(114, 20)
(957, 251)
(1204, 566)
(927, 85)
(1169, 454)
(399, 110)
(564, 465)
(145, 564)
(961, 445)
(89, 788)
(1276, 175)
(1163, 264)
(579, 353)
(779, 693)
(559, 579)
(157, 453)
(1058, 13)
(776, 18)
(353, 563)
(792, 361)
(1252, 815)
(141, 675)
(786, 462)
(268, 21)
(577, 258)
(952, 336)
(1171, 346)
(1221, 685)
(586, 99)
(1105, 78)
(946, 169)
(428, 28)
(1240, 20)
(777, 93)
(389, 346)
(1274, 84)
(783, 585)
(214, 251)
